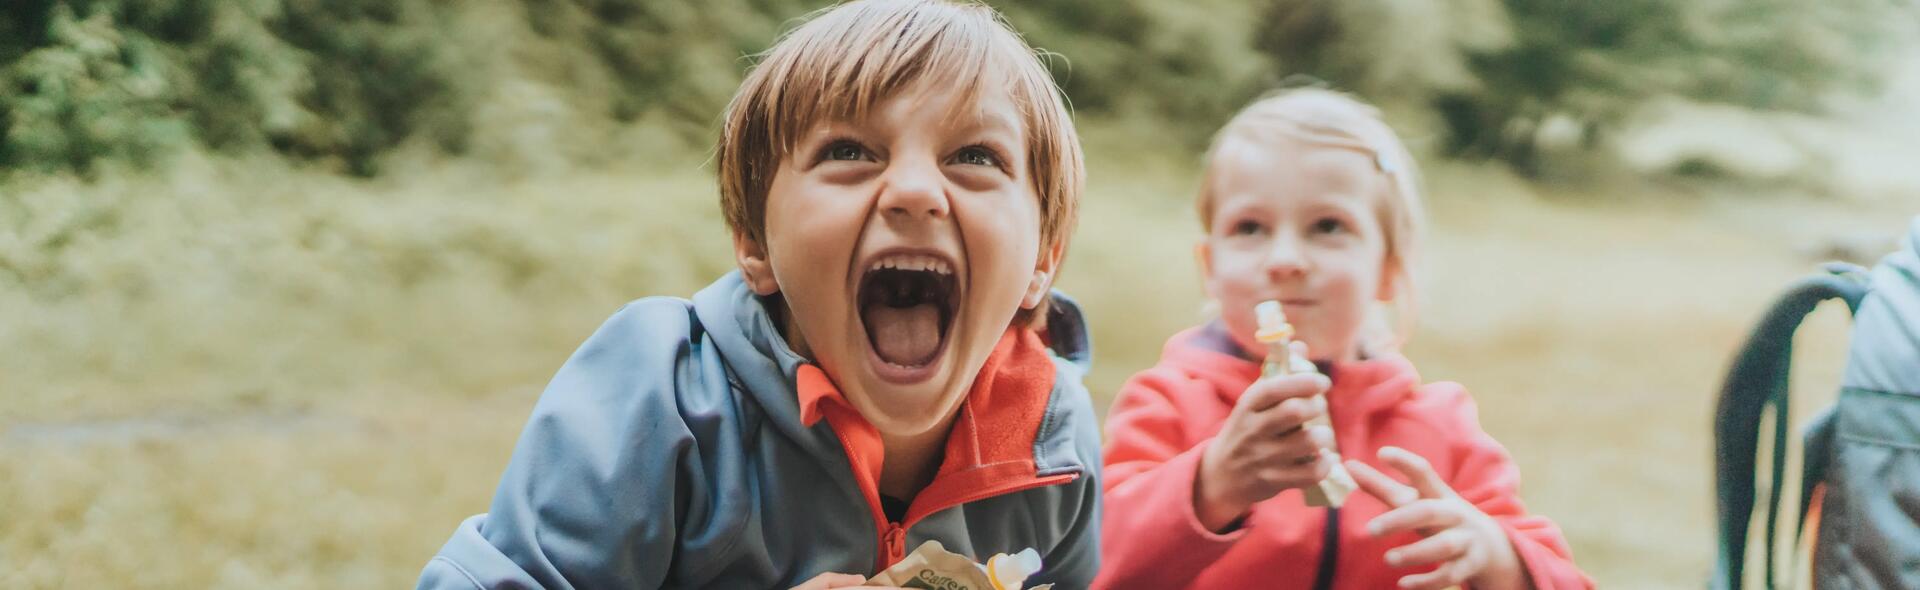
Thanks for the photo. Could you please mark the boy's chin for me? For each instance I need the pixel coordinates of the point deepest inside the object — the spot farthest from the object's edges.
(908, 410)
(908, 422)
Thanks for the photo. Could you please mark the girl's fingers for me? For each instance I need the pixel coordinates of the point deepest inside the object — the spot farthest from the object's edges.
(1418, 471)
(1429, 515)
(1392, 493)
(1324, 467)
(1287, 473)
(1268, 392)
(1289, 415)
(1304, 444)
(1450, 574)
(1448, 545)
(1317, 467)
(1320, 438)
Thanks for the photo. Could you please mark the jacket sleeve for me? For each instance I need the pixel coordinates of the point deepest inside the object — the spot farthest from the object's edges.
(1485, 475)
(1151, 537)
(1075, 558)
(601, 477)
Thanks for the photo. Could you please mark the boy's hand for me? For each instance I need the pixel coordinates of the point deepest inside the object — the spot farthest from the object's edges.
(1470, 546)
(1263, 448)
(833, 580)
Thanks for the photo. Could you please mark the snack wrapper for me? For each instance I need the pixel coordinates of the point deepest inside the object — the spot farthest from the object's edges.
(1277, 334)
(932, 566)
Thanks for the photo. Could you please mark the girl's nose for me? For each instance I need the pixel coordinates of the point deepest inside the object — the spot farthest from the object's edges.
(1286, 258)
(914, 189)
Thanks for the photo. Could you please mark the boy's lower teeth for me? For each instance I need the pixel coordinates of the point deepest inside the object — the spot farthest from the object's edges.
(906, 336)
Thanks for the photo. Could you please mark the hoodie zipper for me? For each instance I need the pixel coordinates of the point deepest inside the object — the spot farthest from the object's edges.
(1329, 551)
(1330, 536)
(893, 535)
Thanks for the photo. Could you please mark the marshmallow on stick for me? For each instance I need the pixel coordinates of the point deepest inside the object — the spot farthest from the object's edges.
(1277, 334)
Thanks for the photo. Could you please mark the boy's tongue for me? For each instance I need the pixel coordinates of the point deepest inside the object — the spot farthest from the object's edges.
(907, 336)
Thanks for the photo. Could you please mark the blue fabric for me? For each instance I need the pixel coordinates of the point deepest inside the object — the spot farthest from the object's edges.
(668, 452)
(1885, 354)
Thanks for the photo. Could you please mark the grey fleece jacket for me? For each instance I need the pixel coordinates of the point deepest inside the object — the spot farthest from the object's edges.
(669, 452)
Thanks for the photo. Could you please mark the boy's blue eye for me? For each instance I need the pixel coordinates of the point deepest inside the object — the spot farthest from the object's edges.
(977, 156)
(844, 151)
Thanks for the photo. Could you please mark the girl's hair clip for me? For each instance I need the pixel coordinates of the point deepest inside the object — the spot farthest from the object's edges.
(1384, 163)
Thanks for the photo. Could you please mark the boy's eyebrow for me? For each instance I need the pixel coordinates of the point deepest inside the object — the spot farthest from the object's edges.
(957, 118)
(985, 120)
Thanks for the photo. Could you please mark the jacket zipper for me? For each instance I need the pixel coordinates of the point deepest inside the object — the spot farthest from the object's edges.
(893, 535)
(1329, 551)
(1330, 537)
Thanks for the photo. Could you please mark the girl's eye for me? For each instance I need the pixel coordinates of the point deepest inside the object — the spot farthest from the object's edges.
(976, 156)
(845, 151)
(1329, 225)
(1247, 228)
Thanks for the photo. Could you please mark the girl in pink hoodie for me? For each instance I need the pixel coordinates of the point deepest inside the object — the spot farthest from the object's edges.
(1311, 200)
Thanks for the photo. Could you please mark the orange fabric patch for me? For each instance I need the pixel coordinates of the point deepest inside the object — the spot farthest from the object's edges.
(990, 447)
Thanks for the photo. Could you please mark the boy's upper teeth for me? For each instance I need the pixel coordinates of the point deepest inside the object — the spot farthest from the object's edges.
(912, 262)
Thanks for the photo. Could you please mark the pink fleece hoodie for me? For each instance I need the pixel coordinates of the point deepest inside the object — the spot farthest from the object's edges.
(1166, 415)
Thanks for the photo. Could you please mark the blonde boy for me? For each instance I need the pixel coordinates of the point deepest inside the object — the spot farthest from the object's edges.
(888, 365)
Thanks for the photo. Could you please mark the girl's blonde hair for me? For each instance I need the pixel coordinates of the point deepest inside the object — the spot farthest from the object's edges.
(1324, 118)
(850, 57)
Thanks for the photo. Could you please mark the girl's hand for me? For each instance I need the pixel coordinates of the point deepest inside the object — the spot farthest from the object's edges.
(1470, 546)
(833, 580)
(1263, 449)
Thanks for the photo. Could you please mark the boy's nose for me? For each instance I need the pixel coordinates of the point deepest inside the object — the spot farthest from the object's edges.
(913, 190)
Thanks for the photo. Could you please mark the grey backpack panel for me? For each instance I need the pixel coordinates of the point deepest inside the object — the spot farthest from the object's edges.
(1886, 346)
(1870, 516)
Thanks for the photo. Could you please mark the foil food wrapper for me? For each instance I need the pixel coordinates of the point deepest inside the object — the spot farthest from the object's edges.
(932, 566)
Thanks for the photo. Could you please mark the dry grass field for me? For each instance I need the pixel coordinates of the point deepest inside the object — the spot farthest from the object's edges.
(239, 375)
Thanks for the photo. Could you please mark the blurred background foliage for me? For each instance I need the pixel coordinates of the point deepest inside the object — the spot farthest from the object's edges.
(281, 279)
(341, 83)
(334, 81)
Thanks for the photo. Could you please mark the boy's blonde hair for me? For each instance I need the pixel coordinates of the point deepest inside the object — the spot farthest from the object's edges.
(1324, 118)
(848, 58)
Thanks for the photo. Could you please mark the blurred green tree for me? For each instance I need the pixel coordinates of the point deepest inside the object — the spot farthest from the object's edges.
(342, 82)
(1185, 67)
(333, 80)
(1497, 73)
(86, 92)
(683, 58)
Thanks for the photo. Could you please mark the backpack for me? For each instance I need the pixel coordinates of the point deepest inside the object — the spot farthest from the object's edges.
(1862, 455)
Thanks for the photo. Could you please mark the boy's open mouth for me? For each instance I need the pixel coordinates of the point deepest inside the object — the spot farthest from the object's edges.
(907, 304)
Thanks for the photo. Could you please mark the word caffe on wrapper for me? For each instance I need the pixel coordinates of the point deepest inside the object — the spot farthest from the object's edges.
(1277, 334)
(932, 566)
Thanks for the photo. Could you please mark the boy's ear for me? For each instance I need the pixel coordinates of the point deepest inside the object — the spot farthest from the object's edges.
(1043, 270)
(754, 267)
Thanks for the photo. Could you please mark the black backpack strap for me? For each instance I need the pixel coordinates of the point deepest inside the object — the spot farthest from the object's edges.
(1757, 381)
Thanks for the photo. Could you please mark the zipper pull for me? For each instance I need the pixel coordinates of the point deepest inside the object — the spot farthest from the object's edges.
(896, 540)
